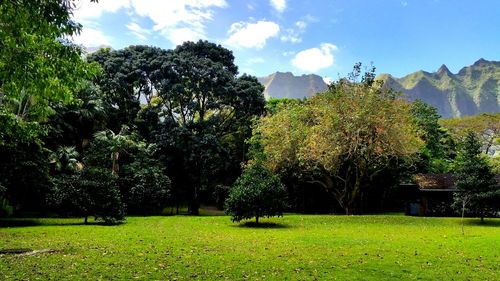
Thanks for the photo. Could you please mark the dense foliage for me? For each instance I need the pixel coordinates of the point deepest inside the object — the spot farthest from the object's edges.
(90, 192)
(478, 193)
(136, 130)
(38, 64)
(256, 193)
(341, 139)
(437, 153)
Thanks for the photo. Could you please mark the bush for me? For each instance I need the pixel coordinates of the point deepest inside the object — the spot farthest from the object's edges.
(256, 193)
(149, 192)
(91, 192)
(143, 184)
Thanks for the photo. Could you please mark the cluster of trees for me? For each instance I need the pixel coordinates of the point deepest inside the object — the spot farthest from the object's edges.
(356, 142)
(131, 131)
(116, 131)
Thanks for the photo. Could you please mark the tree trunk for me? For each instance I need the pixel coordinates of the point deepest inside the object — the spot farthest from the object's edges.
(256, 219)
(194, 206)
(482, 218)
(85, 220)
(463, 213)
(115, 168)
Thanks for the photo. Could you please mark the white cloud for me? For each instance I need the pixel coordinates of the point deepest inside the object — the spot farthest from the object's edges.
(251, 35)
(279, 5)
(90, 37)
(86, 12)
(293, 35)
(182, 34)
(301, 25)
(138, 31)
(176, 20)
(328, 80)
(314, 59)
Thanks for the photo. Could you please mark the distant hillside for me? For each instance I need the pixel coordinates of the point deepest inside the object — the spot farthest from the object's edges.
(474, 89)
(286, 85)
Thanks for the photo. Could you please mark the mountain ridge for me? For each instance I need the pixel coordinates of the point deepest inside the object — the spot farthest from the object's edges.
(472, 90)
(287, 85)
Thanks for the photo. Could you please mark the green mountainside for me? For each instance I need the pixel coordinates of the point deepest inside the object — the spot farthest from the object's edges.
(474, 89)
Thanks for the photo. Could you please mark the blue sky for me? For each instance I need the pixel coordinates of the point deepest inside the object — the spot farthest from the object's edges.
(325, 37)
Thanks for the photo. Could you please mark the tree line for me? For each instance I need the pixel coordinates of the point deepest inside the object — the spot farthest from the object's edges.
(135, 130)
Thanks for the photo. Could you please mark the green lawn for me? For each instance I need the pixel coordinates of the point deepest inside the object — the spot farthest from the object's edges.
(299, 247)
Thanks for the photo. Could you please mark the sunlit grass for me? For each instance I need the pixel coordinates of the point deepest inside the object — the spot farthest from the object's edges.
(296, 247)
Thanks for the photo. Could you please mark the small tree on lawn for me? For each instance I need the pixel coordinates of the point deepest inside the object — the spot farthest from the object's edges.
(476, 186)
(90, 192)
(256, 193)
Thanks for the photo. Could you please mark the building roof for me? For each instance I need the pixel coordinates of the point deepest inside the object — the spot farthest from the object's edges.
(439, 182)
(435, 181)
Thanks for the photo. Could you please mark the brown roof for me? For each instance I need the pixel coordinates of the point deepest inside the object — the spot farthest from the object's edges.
(435, 181)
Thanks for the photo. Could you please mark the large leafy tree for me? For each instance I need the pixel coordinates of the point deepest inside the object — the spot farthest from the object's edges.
(76, 123)
(485, 125)
(343, 138)
(24, 170)
(131, 76)
(478, 192)
(39, 68)
(38, 64)
(207, 111)
(437, 152)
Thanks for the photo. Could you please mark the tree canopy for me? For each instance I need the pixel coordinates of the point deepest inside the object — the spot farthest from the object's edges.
(207, 111)
(342, 138)
(38, 64)
(478, 192)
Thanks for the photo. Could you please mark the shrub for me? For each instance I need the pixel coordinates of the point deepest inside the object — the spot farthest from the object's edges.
(256, 193)
(91, 192)
(149, 192)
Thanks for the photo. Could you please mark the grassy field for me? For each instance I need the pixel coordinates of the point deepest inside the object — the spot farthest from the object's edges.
(297, 247)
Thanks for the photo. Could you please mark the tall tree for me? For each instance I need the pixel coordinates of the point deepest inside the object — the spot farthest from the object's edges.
(131, 76)
(204, 105)
(477, 188)
(75, 124)
(38, 64)
(438, 151)
(341, 139)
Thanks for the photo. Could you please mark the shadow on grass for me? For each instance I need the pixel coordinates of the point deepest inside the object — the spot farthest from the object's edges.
(36, 222)
(252, 224)
(18, 222)
(487, 222)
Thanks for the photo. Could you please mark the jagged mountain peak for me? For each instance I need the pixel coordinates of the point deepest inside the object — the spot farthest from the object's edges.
(480, 62)
(475, 89)
(443, 70)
